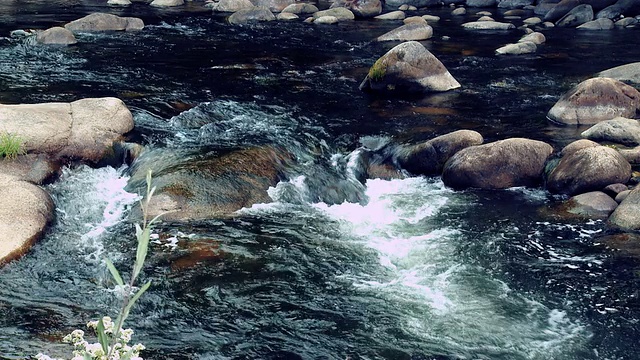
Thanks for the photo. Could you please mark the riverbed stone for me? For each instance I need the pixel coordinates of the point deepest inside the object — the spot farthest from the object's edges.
(393, 15)
(428, 158)
(301, 8)
(631, 155)
(327, 19)
(361, 8)
(459, 11)
(414, 20)
(588, 169)
(488, 25)
(628, 21)
(532, 21)
(34, 168)
(614, 189)
(408, 32)
(408, 67)
(622, 195)
(619, 130)
(56, 36)
(232, 5)
(486, 18)
(119, 2)
(592, 205)
(287, 16)
(597, 24)
(519, 48)
(498, 165)
(536, 37)
(560, 9)
(25, 212)
(481, 3)
(394, 4)
(596, 100)
(166, 3)
(275, 6)
(514, 4)
(104, 22)
(627, 214)
(627, 73)
(339, 13)
(577, 16)
(621, 7)
(431, 18)
(256, 14)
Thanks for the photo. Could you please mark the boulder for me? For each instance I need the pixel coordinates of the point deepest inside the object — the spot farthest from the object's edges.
(459, 11)
(622, 195)
(25, 211)
(627, 73)
(327, 19)
(408, 67)
(232, 5)
(301, 8)
(339, 13)
(428, 158)
(206, 186)
(627, 7)
(486, 18)
(431, 18)
(393, 15)
(482, 3)
(394, 4)
(104, 22)
(576, 17)
(488, 25)
(518, 48)
(56, 36)
(415, 20)
(628, 21)
(408, 32)
(285, 16)
(84, 130)
(597, 24)
(627, 214)
(596, 100)
(619, 130)
(166, 3)
(614, 189)
(532, 21)
(577, 145)
(34, 168)
(514, 4)
(273, 5)
(560, 9)
(588, 169)
(537, 38)
(592, 205)
(361, 8)
(631, 155)
(119, 2)
(256, 14)
(498, 165)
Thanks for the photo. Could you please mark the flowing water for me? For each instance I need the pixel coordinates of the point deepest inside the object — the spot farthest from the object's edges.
(404, 269)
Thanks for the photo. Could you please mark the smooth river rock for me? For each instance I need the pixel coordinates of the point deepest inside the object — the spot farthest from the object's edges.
(576, 17)
(408, 67)
(519, 48)
(339, 13)
(361, 8)
(256, 14)
(592, 205)
(56, 36)
(25, 211)
(627, 73)
(488, 25)
(232, 5)
(105, 22)
(408, 32)
(596, 100)
(627, 214)
(498, 165)
(166, 3)
(597, 24)
(619, 130)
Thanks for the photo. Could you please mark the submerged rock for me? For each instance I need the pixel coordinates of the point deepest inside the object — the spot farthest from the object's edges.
(537, 38)
(518, 48)
(25, 211)
(408, 67)
(588, 169)
(619, 130)
(595, 100)
(498, 165)
(598, 24)
(560, 9)
(408, 32)
(105, 22)
(56, 36)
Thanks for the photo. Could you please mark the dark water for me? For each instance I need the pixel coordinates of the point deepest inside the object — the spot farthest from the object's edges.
(415, 272)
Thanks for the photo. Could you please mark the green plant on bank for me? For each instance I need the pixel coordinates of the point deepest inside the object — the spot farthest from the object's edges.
(112, 339)
(378, 70)
(11, 145)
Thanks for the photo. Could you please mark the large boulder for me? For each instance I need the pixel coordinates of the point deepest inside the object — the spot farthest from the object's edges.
(84, 130)
(197, 187)
(339, 13)
(408, 32)
(301, 8)
(498, 165)
(592, 205)
(25, 211)
(619, 130)
(514, 4)
(166, 3)
(560, 9)
(56, 36)
(627, 214)
(409, 67)
(595, 100)
(588, 169)
(256, 14)
(232, 5)
(273, 5)
(33, 168)
(104, 22)
(488, 25)
(627, 73)
(361, 8)
(428, 158)
(597, 24)
(577, 16)
(621, 7)
(393, 15)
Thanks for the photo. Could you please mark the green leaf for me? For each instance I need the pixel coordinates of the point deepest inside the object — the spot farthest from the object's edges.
(102, 337)
(114, 272)
(141, 253)
(139, 293)
(86, 356)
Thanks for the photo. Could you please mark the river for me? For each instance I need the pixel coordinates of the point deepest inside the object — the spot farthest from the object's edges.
(409, 269)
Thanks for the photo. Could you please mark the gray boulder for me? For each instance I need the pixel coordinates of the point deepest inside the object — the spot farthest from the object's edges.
(626, 22)
(560, 9)
(394, 4)
(596, 100)
(104, 22)
(498, 165)
(514, 4)
(166, 3)
(256, 14)
(592, 205)
(482, 3)
(301, 8)
(56, 36)
(361, 8)
(627, 214)
(488, 25)
(339, 13)
(393, 15)
(25, 211)
(576, 17)
(273, 5)
(544, 6)
(588, 169)
(518, 48)
(408, 67)
(232, 5)
(327, 19)
(627, 73)
(33, 168)
(408, 32)
(626, 7)
(428, 158)
(537, 38)
(619, 130)
(597, 24)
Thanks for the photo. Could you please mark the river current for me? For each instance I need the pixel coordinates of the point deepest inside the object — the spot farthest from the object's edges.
(407, 269)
